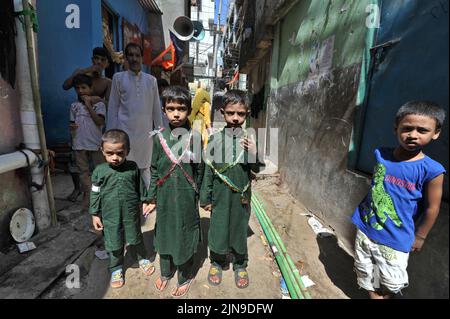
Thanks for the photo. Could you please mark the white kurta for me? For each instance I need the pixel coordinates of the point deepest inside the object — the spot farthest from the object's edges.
(134, 107)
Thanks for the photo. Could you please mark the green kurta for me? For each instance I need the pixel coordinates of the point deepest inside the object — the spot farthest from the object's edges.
(116, 196)
(230, 216)
(177, 229)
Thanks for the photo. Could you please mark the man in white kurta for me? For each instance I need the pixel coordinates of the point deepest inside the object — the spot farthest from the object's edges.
(134, 107)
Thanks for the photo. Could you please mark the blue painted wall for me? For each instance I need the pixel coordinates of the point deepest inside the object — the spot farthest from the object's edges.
(63, 50)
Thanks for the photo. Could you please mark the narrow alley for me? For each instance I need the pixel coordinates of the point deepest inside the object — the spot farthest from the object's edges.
(116, 118)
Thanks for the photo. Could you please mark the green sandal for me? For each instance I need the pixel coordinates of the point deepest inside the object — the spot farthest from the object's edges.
(239, 275)
(215, 271)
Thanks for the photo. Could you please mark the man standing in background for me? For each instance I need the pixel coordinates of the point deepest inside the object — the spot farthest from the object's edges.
(134, 107)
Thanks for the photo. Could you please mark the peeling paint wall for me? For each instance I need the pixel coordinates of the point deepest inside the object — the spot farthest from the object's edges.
(316, 65)
(14, 192)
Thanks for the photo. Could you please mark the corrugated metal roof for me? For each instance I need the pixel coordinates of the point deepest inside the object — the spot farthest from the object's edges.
(151, 5)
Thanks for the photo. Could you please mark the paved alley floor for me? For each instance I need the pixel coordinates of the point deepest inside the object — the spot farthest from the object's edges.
(321, 259)
(263, 272)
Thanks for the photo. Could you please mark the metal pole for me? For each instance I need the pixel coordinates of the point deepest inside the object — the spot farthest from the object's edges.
(37, 107)
(216, 49)
(198, 44)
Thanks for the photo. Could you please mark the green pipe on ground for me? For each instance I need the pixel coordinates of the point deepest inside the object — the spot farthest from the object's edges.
(284, 251)
(292, 269)
(293, 288)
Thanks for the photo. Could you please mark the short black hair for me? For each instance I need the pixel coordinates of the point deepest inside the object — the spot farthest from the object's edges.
(235, 97)
(133, 45)
(82, 79)
(115, 137)
(176, 94)
(424, 108)
(101, 52)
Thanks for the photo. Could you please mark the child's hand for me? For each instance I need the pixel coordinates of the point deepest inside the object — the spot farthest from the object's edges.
(148, 209)
(97, 222)
(248, 145)
(86, 99)
(208, 208)
(418, 243)
(73, 126)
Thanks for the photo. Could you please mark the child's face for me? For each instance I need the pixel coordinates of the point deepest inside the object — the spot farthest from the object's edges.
(176, 113)
(235, 114)
(114, 153)
(415, 131)
(100, 61)
(83, 90)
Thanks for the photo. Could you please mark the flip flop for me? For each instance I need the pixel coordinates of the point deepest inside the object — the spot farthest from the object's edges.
(241, 274)
(215, 271)
(164, 284)
(188, 283)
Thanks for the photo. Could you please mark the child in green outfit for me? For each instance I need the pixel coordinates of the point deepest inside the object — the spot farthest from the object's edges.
(226, 190)
(115, 205)
(177, 173)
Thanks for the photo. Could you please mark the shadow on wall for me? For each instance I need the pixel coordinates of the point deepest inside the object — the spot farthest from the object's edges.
(339, 267)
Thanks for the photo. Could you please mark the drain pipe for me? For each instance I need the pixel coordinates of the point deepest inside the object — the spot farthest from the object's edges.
(31, 117)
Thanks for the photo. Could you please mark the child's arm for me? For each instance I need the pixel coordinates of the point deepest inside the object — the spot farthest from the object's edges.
(206, 188)
(68, 84)
(152, 191)
(250, 146)
(433, 196)
(95, 202)
(157, 112)
(98, 118)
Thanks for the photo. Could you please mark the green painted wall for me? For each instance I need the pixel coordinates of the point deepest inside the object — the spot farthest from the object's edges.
(307, 25)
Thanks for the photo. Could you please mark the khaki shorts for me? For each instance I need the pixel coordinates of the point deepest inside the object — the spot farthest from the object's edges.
(379, 266)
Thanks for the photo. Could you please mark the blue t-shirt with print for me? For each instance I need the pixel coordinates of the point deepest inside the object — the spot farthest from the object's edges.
(387, 213)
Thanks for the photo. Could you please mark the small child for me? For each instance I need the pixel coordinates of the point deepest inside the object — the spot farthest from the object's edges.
(406, 186)
(176, 176)
(226, 191)
(86, 124)
(117, 193)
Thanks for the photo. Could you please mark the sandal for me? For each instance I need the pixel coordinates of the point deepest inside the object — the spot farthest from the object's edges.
(117, 280)
(164, 284)
(239, 275)
(215, 271)
(188, 283)
(147, 267)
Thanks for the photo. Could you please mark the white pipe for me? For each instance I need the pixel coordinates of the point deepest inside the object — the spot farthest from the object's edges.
(41, 207)
(13, 161)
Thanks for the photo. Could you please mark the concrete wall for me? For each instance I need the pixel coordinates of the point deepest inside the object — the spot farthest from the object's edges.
(62, 50)
(312, 102)
(14, 193)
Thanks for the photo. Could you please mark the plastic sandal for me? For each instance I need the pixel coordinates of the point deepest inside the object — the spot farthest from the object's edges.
(188, 283)
(240, 274)
(215, 271)
(117, 280)
(147, 267)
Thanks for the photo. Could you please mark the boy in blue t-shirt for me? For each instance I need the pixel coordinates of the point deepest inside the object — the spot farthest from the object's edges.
(406, 185)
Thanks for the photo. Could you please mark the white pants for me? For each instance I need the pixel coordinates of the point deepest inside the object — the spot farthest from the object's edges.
(377, 265)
